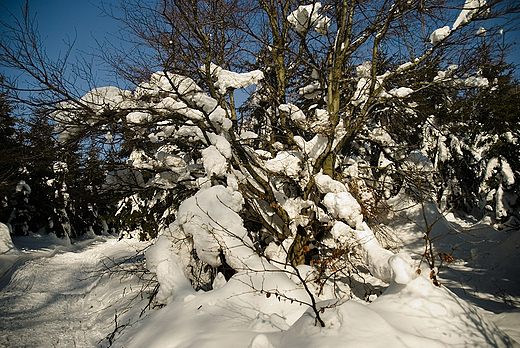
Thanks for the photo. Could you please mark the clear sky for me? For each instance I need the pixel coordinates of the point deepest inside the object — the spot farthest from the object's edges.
(59, 20)
(62, 20)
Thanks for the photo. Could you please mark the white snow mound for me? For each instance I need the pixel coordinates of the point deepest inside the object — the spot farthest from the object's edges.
(6, 243)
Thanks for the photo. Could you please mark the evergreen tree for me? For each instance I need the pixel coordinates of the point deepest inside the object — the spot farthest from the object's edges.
(44, 180)
(481, 134)
(11, 155)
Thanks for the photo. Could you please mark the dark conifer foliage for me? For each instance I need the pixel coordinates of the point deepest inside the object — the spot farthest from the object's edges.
(11, 154)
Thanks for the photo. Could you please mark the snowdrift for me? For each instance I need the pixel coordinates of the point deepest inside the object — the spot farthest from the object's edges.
(417, 314)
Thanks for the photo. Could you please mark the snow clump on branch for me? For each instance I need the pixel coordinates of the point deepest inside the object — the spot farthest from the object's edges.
(306, 16)
(439, 35)
(471, 8)
(232, 80)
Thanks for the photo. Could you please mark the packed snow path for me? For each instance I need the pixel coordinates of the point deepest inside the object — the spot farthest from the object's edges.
(62, 301)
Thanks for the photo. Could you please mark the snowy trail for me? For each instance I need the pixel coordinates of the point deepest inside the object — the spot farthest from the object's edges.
(61, 301)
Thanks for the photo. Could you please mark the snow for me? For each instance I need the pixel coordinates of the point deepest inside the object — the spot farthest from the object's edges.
(481, 31)
(193, 133)
(445, 75)
(60, 167)
(261, 341)
(197, 216)
(306, 16)
(222, 145)
(310, 91)
(439, 35)
(211, 239)
(322, 123)
(401, 92)
(106, 98)
(138, 117)
(438, 315)
(229, 79)
(488, 258)
(380, 261)
(139, 159)
(491, 166)
(363, 326)
(402, 268)
(363, 72)
(214, 162)
(323, 25)
(264, 154)
(91, 106)
(56, 295)
(248, 135)
(109, 137)
(508, 321)
(314, 147)
(168, 271)
(287, 162)
(404, 314)
(476, 81)
(224, 279)
(293, 207)
(161, 83)
(232, 315)
(471, 7)
(293, 111)
(404, 66)
(377, 295)
(419, 161)
(501, 205)
(342, 233)
(326, 184)
(158, 83)
(6, 247)
(376, 257)
(166, 156)
(190, 113)
(507, 173)
(344, 206)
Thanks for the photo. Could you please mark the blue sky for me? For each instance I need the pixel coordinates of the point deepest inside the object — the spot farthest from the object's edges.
(62, 20)
(59, 20)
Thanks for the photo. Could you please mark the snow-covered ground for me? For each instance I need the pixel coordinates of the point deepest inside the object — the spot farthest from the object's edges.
(60, 295)
(57, 296)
